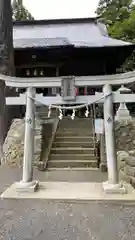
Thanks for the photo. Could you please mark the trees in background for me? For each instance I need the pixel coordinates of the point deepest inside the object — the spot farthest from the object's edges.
(113, 11)
(7, 57)
(119, 17)
(6, 63)
(20, 12)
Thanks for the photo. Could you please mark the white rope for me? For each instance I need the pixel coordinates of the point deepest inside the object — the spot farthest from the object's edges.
(73, 108)
(73, 115)
(61, 114)
(49, 112)
(51, 106)
(79, 106)
(87, 112)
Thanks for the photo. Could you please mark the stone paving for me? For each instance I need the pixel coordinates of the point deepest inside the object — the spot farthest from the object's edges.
(45, 220)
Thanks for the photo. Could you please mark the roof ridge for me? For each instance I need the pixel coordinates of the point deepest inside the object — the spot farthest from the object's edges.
(56, 21)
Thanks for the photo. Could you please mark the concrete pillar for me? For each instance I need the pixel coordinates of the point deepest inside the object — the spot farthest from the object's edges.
(112, 185)
(27, 183)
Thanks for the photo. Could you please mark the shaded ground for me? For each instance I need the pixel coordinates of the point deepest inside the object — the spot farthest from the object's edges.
(43, 220)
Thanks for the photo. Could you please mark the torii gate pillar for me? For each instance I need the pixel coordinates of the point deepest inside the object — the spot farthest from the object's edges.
(112, 185)
(27, 184)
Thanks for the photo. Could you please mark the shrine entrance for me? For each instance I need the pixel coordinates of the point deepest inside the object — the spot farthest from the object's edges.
(69, 101)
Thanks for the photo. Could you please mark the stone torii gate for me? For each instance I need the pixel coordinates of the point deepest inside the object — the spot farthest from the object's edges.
(27, 183)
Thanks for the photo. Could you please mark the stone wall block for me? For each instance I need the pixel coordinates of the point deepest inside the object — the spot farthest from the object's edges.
(14, 143)
(130, 161)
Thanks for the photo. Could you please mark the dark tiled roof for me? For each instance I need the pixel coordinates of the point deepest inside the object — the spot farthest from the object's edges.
(50, 33)
(42, 42)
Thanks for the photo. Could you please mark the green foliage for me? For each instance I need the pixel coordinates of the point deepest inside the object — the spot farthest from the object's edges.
(20, 12)
(119, 16)
(125, 29)
(114, 10)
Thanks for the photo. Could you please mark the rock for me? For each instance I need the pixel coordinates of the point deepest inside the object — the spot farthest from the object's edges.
(121, 157)
(14, 143)
(132, 153)
(130, 171)
(125, 145)
(124, 177)
(130, 161)
(125, 135)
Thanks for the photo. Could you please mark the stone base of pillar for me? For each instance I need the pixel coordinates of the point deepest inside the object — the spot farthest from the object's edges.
(27, 186)
(114, 188)
(103, 167)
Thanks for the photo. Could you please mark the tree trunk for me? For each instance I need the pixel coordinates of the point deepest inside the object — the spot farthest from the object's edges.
(6, 63)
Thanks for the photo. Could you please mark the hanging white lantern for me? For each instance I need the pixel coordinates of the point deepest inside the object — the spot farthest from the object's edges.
(73, 115)
(27, 72)
(49, 112)
(87, 112)
(61, 114)
(41, 73)
(35, 72)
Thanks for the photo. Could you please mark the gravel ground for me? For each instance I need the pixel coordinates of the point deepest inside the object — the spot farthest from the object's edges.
(39, 220)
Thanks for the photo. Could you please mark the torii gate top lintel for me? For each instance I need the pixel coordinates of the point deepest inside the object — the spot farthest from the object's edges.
(116, 79)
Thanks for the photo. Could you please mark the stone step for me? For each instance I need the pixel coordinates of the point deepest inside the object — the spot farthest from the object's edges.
(75, 125)
(89, 139)
(77, 119)
(72, 150)
(73, 133)
(75, 129)
(44, 114)
(71, 122)
(91, 169)
(72, 156)
(44, 119)
(72, 144)
(71, 164)
(66, 118)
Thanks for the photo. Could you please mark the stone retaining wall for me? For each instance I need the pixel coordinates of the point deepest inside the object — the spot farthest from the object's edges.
(125, 145)
(14, 143)
(125, 135)
(126, 166)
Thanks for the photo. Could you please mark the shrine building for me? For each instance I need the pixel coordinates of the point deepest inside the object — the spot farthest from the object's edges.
(67, 47)
(63, 65)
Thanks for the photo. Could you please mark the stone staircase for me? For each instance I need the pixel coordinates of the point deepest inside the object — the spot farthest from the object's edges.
(73, 146)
